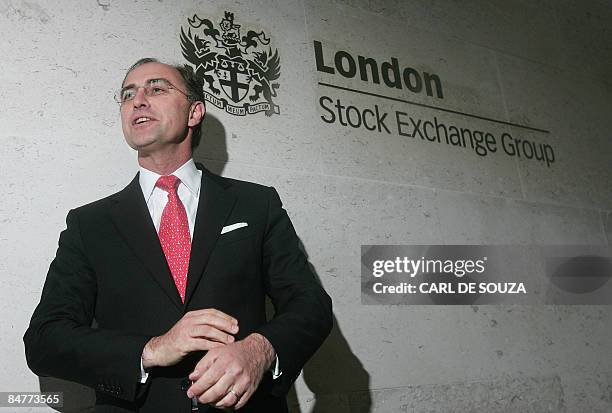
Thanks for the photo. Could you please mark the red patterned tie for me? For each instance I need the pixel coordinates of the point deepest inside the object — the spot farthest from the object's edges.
(174, 233)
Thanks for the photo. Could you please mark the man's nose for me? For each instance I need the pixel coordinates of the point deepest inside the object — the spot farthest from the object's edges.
(140, 99)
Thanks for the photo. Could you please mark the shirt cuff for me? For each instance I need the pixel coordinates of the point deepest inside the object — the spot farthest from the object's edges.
(276, 371)
(144, 375)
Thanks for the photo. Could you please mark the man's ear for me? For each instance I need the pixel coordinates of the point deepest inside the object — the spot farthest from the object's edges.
(196, 113)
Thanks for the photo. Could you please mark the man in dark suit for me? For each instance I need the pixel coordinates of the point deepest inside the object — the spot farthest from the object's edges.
(173, 272)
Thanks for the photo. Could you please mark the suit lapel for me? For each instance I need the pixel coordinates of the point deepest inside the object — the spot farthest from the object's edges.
(133, 221)
(214, 207)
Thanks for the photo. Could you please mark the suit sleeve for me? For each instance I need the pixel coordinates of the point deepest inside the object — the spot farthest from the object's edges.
(60, 341)
(303, 310)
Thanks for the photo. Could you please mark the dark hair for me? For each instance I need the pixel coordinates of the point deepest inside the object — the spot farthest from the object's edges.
(192, 84)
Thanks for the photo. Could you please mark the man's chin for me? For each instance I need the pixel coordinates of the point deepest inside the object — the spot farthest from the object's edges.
(151, 144)
(141, 143)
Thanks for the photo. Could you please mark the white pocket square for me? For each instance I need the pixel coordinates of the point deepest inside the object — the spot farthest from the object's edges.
(232, 227)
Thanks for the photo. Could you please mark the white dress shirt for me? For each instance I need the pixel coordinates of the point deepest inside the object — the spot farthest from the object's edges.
(189, 194)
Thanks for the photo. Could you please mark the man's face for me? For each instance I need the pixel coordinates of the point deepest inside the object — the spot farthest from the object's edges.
(153, 123)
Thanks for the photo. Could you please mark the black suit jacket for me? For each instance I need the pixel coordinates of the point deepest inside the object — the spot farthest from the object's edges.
(110, 270)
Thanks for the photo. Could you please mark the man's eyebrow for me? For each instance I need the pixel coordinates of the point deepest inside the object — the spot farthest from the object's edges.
(147, 82)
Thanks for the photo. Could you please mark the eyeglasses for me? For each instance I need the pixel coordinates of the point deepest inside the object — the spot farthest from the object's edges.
(154, 87)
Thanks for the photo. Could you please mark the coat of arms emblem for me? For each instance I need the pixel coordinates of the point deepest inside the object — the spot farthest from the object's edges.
(238, 72)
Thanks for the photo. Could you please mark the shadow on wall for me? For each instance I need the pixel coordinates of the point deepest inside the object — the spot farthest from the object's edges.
(334, 374)
(336, 377)
(213, 146)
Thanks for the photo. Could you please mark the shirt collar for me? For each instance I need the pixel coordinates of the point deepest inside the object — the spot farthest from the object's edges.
(189, 175)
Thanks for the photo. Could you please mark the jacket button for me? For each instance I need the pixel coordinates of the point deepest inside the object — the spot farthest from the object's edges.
(185, 384)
